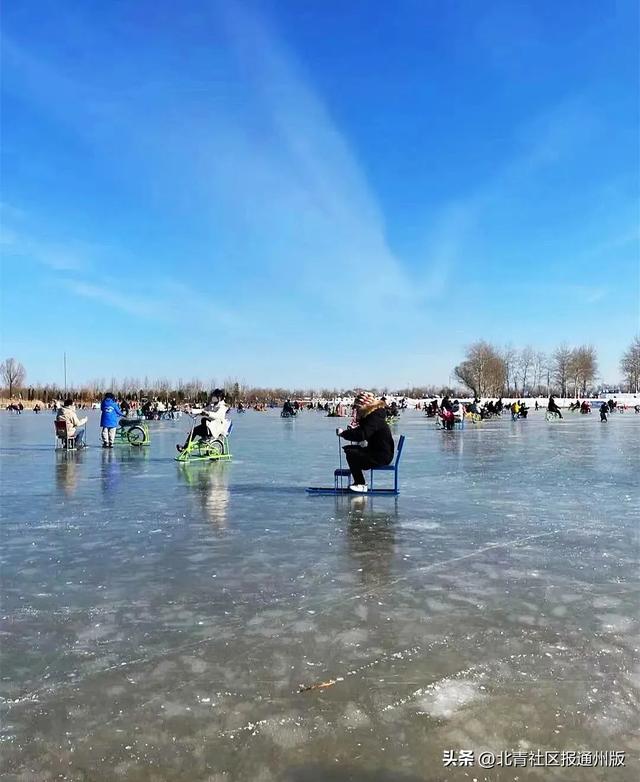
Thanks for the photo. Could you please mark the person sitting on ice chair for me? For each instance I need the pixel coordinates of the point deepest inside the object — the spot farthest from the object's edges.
(372, 426)
(552, 406)
(75, 425)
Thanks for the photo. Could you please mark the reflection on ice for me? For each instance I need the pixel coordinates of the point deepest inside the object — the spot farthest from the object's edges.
(212, 483)
(67, 466)
(209, 622)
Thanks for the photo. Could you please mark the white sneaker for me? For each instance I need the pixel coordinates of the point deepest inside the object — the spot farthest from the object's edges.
(361, 488)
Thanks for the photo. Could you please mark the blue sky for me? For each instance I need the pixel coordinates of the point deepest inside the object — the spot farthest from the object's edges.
(318, 193)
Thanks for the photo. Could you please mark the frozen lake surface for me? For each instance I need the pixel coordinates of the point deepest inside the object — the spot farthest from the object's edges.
(158, 620)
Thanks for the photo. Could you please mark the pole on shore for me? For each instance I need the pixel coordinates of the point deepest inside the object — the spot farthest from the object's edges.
(65, 374)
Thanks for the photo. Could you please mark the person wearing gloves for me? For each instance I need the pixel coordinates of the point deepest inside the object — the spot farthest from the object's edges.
(372, 426)
(109, 417)
(216, 414)
(214, 423)
(75, 425)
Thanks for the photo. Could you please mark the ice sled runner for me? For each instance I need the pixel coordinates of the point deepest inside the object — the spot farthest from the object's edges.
(339, 475)
(345, 490)
(210, 449)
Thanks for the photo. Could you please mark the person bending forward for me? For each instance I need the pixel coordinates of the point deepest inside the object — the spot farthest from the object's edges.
(372, 426)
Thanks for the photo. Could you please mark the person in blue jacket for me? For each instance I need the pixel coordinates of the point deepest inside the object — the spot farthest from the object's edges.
(111, 413)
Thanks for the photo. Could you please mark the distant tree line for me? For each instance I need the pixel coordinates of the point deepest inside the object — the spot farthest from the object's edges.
(194, 390)
(487, 371)
(630, 366)
(490, 371)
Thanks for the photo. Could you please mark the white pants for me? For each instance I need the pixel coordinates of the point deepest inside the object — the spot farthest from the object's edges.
(108, 435)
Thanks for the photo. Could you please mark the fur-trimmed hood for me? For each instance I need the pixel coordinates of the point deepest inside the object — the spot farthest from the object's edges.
(363, 412)
(372, 426)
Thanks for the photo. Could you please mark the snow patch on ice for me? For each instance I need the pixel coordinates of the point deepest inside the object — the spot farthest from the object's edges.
(354, 717)
(286, 733)
(448, 696)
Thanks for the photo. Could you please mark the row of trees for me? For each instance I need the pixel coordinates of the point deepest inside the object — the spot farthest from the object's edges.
(192, 390)
(630, 366)
(13, 375)
(489, 371)
(486, 371)
(197, 390)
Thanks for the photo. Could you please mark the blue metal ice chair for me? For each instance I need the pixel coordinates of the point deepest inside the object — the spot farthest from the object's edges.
(338, 475)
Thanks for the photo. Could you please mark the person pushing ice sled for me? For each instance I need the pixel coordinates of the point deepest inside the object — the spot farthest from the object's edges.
(371, 425)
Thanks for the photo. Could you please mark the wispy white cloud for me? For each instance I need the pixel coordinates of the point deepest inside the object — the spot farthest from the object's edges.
(280, 183)
(54, 256)
(613, 245)
(282, 176)
(295, 188)
(109, 296)
(10, 212)
(589, 294)
(164, 300)
(299, 183)
(77, 271)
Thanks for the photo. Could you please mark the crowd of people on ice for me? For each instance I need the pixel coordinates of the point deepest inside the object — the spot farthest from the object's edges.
(370, 442)
(115, 412)
(214, 421)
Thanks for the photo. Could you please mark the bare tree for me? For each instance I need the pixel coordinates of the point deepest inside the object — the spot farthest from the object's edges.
(539, 367)
(590, 367)
(162, 386)
(587, 361)
(13, 374)
(630, 365)
(573, 372)
(526, 362)
(560, 366)
(509, 358)
(96, 387)
(582, 368)
(483, 370)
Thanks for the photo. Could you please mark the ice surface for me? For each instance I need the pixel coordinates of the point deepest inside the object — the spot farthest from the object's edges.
(159, 621)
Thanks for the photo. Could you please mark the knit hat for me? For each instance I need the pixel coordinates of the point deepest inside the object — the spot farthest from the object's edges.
(363, 399)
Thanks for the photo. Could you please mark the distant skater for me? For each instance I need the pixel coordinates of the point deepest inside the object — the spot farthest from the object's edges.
(552, 407)
(603, 413)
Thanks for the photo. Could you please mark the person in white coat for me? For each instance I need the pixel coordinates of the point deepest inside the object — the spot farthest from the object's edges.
(216, 415)
(75, 426)
(214, 423)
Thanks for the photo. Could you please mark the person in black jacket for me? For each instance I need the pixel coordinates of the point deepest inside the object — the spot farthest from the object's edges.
(552, 406)
(372, 426)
